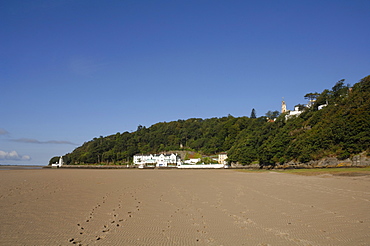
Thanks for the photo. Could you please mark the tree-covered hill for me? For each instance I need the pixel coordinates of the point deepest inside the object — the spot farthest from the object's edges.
(340, 129)
(208, 136)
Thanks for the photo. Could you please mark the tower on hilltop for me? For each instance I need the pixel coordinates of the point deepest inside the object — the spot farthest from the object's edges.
(283, 106)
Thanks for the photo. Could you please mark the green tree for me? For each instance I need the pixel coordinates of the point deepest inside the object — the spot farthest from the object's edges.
(272, 114)
(253, 114)
(311, 96)
(54, 159)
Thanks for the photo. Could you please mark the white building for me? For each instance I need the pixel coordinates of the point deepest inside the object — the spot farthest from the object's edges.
(290, 113)
(159, 160)
(222, 158)
(296, 111)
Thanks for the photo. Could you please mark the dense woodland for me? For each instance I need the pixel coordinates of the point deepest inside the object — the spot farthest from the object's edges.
(341, 129)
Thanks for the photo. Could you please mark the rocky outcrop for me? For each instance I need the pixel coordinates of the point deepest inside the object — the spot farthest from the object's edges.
(361, 160)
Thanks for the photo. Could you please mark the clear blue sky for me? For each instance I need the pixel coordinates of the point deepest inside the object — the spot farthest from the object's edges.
(74, 70)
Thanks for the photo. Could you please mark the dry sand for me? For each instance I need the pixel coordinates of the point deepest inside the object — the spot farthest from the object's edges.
(181, 207)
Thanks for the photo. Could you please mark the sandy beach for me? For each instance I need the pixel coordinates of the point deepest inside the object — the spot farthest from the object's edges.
(181, 207)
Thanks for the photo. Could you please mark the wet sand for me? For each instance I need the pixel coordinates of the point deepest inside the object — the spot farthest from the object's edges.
(181, 207)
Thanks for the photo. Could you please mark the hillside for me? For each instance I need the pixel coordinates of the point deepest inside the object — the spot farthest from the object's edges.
(341, 129)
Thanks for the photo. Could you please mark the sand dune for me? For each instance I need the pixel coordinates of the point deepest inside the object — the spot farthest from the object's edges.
(181, 207)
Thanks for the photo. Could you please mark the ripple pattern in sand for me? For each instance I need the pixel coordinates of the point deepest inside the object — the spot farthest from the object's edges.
(181, 207)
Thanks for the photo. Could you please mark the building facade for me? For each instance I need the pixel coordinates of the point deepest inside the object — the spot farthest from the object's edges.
(158, 160)
(222, 158)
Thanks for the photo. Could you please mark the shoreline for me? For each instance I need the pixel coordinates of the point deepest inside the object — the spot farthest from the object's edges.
(20, 167)
(252, 168)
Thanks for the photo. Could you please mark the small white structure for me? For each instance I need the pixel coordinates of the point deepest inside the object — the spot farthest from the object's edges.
(58, 164)
(290, 113)
(323, 105)
(202, 166)
(192, 161)
(296, 111)
(159, 160)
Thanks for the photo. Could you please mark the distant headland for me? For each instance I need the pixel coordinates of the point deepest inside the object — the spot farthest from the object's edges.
(331, 130)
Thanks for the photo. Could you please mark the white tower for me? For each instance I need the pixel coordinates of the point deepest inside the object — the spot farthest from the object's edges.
(283, 107)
